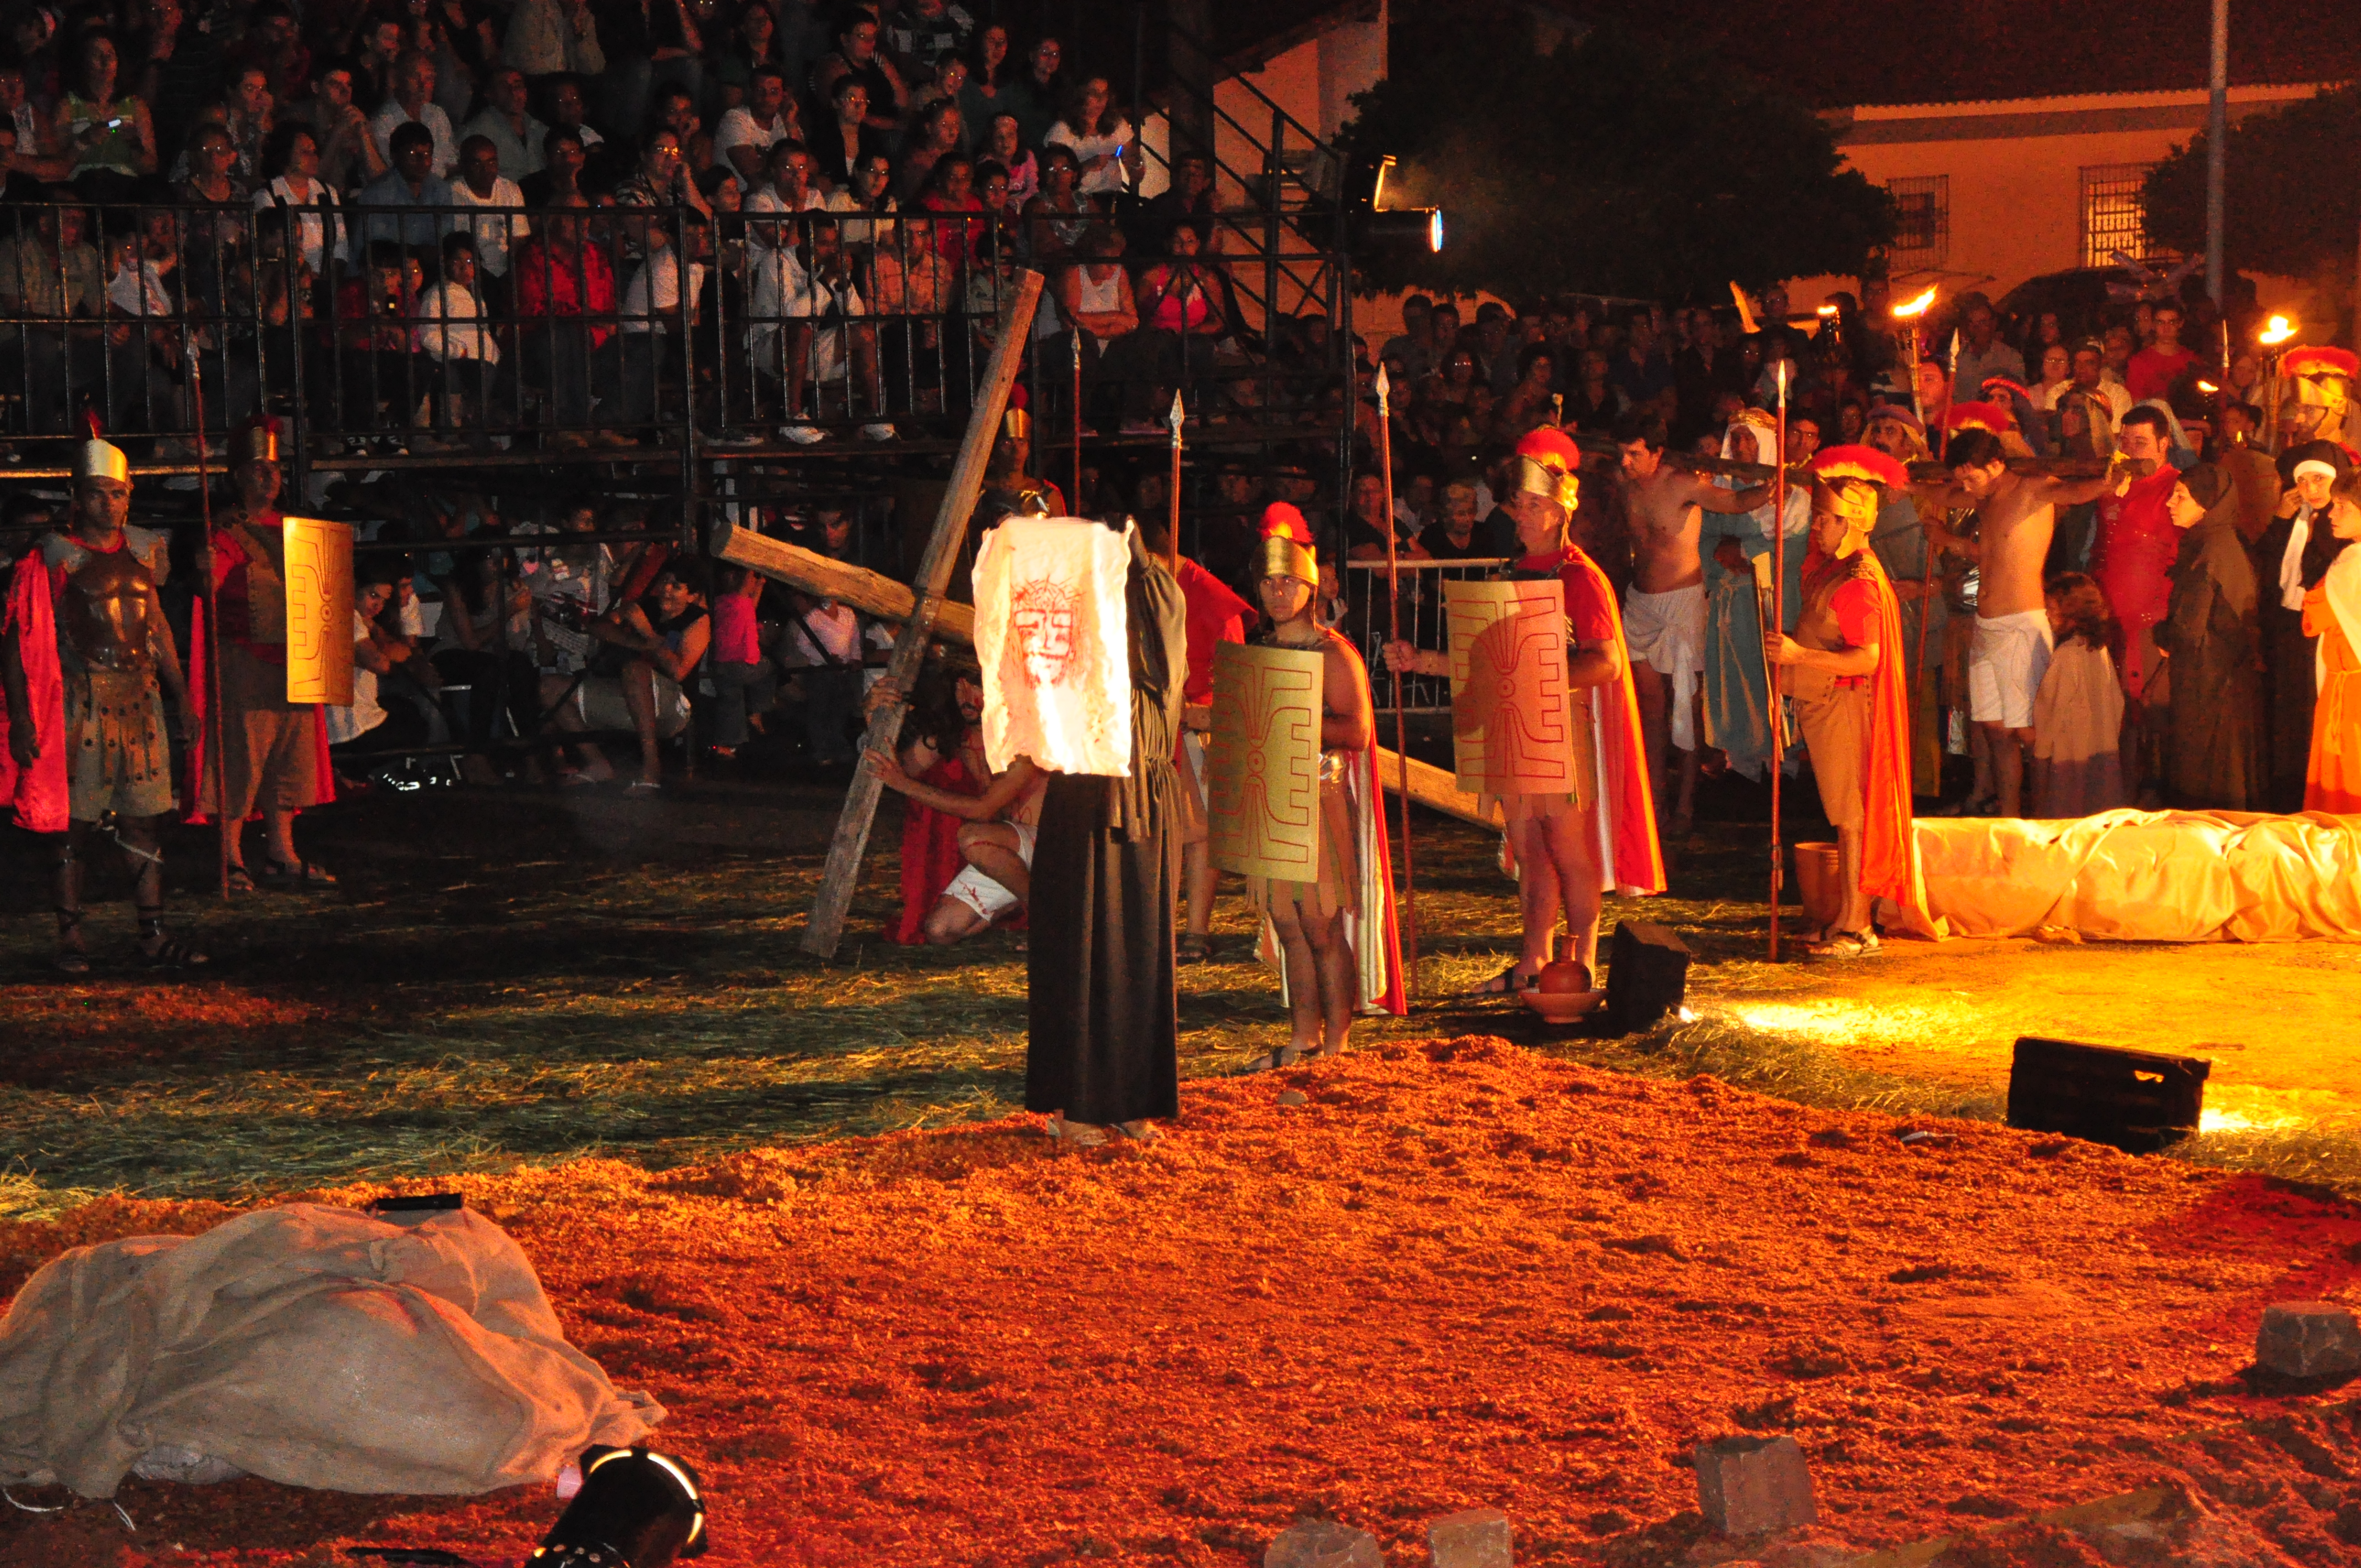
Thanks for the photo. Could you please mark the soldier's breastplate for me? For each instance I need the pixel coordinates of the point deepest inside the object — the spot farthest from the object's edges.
(103, 615)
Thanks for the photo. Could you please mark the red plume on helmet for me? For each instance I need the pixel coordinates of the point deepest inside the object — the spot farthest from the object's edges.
(1553, 447)
(1978, 416)
(1547, 464)
(1282, 521)
(1859, 463)
(1286, 549)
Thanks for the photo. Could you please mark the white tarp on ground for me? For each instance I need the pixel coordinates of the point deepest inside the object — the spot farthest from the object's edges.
(2148, 876)
(312, 1345)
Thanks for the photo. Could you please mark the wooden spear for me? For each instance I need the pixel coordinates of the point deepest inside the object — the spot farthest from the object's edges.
(1409, 913)
(1774, 625)
(213, 624)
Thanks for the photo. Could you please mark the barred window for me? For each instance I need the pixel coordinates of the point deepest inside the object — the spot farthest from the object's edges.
(2115, 216)
(1922, 221)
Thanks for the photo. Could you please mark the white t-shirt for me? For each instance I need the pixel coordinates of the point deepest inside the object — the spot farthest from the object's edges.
(654, 294)
(364, 715)
(837, 628)
(310, 227)
(393, 116)
(1111, 179)
(446, 315)
(739, 128)
(495, 238)
(141, 294)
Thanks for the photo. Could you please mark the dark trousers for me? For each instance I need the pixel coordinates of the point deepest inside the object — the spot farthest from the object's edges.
(739, 690)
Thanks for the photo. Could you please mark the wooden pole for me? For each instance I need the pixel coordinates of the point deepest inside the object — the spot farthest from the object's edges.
(1775, 624)
(1173, 499)
(1074, 501)
(1408, 912)
(224, 826)
(841, 880)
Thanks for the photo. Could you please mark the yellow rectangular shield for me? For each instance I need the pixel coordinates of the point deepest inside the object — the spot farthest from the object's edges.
(319, 611)
(1512, 715)
(1263, 765)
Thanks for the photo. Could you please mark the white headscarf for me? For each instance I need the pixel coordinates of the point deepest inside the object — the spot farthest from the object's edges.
(1799, 497)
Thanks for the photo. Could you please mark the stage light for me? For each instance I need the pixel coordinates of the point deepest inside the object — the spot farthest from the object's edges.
(2278, 331)
(1915, 308)
(2134, 1100)
(1647, 975)
(645, 1507)
(1373, 222)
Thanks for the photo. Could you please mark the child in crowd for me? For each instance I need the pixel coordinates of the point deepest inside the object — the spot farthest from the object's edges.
(743, 684)
(2077, 715)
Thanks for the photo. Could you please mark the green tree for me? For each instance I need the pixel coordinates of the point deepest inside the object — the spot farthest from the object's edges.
(1613, 164)
(2291, 190)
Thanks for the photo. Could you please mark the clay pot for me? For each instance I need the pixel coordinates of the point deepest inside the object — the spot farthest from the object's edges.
(1562, 976)
(1819, 882)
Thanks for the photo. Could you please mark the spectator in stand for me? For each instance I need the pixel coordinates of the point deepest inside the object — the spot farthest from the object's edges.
(756, 46)
(913, 285)
(657, 644)
(1642, 372)
(547, 38)
(824, 642)
(1037, 94)
(867, 193)
(1180, 310)
(990, 68)
(139, 258)
(33, 156)
(381, 378)
(1496, 347)
(744, 685)
(675, 111)
(109, 136)
(274, 45)
(2117, 345)
(2090, 372)
(245, 113)
(507, 124)
(411, 183)
(1594, 403)
(1094, 299)
(1001, 216)
(564, 166)
(481, 185)
(49, 271)
(650, 45)
(1442, 414)
(564, 288)
(785, 187)
(472, 383)
(661, 180)
(382, 41)
(804, 316)
(1456, 535)
(348, 154)
(925, 34)
(937, 136)
(412, 102)
(565, 98)
(857, 58)
(2153, 370)
(951, 79)
(748, 133)
(1060, 217)
(320, 237)
(1527, 407)
(1005, 145)
(1101, 140)
(1191, 199)
(849, 140)
(2057, 374)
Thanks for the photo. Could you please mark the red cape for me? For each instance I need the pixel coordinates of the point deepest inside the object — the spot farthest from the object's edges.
(38, 794)
(930, 852)
(1890, 865)
(1372, 798)
(1639, 866)
(1215, 615)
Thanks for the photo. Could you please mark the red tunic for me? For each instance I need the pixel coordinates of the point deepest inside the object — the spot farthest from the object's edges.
(1591, 611)
(2132, 560)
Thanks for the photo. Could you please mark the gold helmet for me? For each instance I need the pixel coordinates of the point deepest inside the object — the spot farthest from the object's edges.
(1286, 549)
(97, 459)
(256, 441)
(1545, 465)
(1850, 482)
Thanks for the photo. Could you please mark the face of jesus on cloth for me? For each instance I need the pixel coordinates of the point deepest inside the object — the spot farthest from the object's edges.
(1042, 616)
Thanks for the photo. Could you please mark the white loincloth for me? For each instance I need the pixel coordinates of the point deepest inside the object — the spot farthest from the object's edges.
(2007, 660)
(1666, 631)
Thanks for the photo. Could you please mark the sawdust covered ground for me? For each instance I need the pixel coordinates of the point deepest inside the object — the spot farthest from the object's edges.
(1462, 1275)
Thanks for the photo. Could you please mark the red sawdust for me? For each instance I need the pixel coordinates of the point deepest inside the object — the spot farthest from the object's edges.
(1462, 1275)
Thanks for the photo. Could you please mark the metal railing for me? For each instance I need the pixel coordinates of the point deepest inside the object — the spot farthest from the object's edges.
(1422, 624)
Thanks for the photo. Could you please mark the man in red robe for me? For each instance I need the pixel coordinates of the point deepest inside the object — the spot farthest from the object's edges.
(85, 658)
(276, 752)
(1844, 666)
(1570, 849)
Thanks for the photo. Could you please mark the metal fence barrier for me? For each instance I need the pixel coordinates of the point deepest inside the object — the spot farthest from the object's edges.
(1422, 624)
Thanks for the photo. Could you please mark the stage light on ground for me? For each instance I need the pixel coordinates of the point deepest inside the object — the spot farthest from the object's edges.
(647, 1506)
(2137, 1101)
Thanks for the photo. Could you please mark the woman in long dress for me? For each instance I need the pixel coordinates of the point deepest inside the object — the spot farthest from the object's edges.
(2331, 612)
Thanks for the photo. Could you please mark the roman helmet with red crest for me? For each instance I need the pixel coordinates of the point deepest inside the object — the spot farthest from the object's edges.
(1547, 464)
(1287, 547)
(1852, 483)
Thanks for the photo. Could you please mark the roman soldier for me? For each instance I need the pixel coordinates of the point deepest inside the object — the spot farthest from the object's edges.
(1009, 484)
(1844, 666)
(1569, 850)
(276, 752)
(2316, 390)
(1334, 936)
(85, 658)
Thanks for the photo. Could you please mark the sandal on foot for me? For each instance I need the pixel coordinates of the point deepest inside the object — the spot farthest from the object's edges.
(1073, 1134)
(1505, 983)
(1139, 1131)
(1845, 945)
(240, 879)
(1194, 947)
(1270, 1061)
(69, 960)
(169, 952)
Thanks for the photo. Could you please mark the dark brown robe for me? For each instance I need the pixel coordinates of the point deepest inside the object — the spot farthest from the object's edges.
(2214, 754)
(1103, 1043)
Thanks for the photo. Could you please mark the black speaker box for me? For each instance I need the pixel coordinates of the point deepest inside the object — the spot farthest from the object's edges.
(2136, 1100)
(1647, 974)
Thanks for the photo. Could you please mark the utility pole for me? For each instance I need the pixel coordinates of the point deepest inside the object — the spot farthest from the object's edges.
(2217, 135)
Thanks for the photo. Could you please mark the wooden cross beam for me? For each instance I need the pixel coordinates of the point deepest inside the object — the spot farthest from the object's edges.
(926, 610)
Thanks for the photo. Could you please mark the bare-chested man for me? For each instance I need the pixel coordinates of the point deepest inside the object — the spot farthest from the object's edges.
(2016, 514)
(1664, 608)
